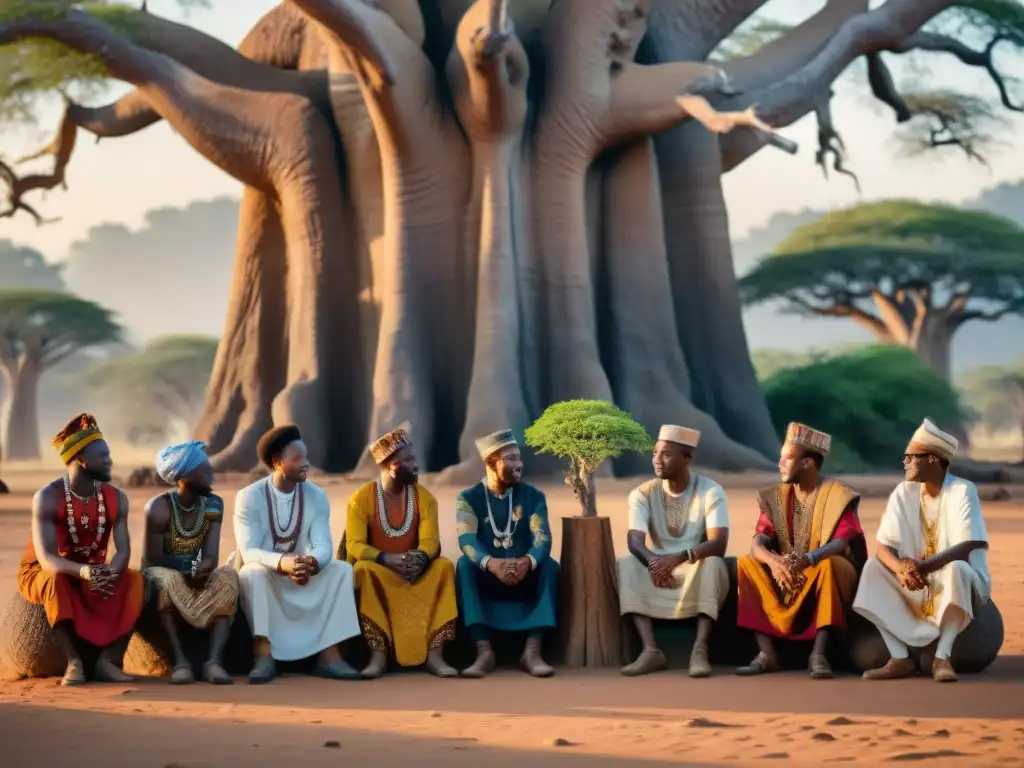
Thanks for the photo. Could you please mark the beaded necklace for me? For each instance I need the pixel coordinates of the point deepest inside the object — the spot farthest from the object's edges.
(101, 519)
(931, 547)
(382, 513)
(285, 537)
(677, 508)
(502, 539)
(178, 510)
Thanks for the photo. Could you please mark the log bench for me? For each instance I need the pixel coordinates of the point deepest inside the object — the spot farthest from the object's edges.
(27, 644)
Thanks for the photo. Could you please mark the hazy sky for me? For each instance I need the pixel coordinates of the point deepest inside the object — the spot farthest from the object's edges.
(118, 180)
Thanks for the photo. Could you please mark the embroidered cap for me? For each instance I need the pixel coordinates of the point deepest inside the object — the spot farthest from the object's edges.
(486, 446)
(388, 445)
(806, 437)
(933, 440)
(682, 435)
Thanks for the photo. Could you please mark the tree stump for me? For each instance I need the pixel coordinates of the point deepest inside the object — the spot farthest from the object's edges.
(27, 641)
(974, 650)
(589, 628)
(149, 652)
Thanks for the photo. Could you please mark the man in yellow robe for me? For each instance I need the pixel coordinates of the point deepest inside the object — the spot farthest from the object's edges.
(406, 590)
(805, 559)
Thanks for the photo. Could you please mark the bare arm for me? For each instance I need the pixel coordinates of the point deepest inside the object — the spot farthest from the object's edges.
(715, 546)
(158, 517)
(889, 557)
(122, 539)
(44, 536)
(833, 548)
(760, 549)
(636, 542)
(961, 551)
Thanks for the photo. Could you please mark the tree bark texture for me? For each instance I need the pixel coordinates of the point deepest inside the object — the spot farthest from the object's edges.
(454, 214)
(590, 630)
(19, 416)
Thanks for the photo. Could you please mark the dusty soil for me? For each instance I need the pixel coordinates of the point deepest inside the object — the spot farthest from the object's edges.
(592, 715)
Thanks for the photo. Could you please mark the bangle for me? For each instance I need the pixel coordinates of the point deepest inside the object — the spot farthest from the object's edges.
(85, 572)
(691, 556)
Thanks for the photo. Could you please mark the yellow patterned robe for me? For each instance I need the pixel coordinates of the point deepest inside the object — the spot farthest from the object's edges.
(400, 618)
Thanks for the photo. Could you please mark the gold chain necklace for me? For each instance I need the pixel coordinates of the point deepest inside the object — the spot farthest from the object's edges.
(931, 548)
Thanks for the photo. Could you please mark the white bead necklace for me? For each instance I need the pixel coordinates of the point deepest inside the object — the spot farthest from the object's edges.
(382, 513)
(502, 539)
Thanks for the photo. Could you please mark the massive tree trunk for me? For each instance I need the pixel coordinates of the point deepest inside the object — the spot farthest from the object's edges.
(451, 221)
(20, 413)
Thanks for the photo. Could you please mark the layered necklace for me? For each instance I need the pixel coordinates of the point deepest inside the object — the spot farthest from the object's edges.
(502, 539)
(101, 518)
(285, 535)
(677, 508)
(930, 529)
(382, 513)
(179, 510)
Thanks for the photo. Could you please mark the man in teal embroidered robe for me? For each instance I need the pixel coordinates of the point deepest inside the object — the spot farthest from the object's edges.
(506, 580)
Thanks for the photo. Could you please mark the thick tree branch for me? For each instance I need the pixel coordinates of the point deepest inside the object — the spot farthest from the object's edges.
(842, 308)
(18, 186)
(701, 24)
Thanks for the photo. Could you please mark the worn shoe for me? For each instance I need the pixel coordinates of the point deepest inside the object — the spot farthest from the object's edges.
(74, 674)
(437, 666)
(762, 664)
(649, 661)
(700, 665)
(484, 664)
(894, 669)
(532, 662)
(182, 675)
(336, 669)
(107, 671)
(943, 672)
(263, 671)
(377, 667)
(214, 673)
(819, 667)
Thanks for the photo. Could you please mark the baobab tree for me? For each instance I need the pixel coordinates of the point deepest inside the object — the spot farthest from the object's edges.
(455, 212)
(911, 274)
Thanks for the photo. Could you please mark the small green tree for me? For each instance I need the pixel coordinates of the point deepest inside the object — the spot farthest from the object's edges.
(587, 432)
(158, 391)
(995, 395)
(910, 273)
(39, 329)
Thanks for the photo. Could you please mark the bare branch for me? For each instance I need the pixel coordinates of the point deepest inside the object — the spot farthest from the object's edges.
(842, 308)
(61, 148)
(884, 88)
(830, 143)
(950, 119)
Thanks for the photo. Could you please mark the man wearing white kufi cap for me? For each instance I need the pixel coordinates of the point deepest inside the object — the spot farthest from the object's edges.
(506, 580)
(930, 569)
(808, 549)
(678, 534)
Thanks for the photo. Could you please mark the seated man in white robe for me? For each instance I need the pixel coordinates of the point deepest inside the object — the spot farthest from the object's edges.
(931, 565)
(299, 600)
(682, 574)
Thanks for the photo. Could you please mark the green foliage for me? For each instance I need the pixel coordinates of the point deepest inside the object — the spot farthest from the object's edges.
(47, 326)
(768, 362)
(750, 38)
(22, 267)
(587, 432)
(891, 245)
(160, 387)
(995, 395)
(870, 401)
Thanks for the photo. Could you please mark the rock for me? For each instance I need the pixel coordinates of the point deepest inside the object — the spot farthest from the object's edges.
(974, 651)
(995, 494)
(435, 714)
(27, 643)
(332, 744)
(145, 477)
(559, 742)
(823, 736)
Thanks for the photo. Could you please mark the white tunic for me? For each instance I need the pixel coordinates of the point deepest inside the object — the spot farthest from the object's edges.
(700, 588)
(299, 621)
(885, 603)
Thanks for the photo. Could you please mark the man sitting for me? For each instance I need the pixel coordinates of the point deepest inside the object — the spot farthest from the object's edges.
(406, 590)
(682, 574)
(930, 569)
(298, 599)
(181, 556)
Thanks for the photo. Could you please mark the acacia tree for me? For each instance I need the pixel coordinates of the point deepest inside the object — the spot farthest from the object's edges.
(501, 231)
(910, 273)
(157, 391)
(995, 393)
(39, 329)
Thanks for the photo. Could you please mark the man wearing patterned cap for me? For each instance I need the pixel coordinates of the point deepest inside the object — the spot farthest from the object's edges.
(930, 570)
(181, 555)
(65, 566)
(681, 575)
(507, 581)
(297, 598)
(406, 590)
(807, 552)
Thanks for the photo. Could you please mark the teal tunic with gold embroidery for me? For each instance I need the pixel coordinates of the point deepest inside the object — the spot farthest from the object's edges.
(483, 600)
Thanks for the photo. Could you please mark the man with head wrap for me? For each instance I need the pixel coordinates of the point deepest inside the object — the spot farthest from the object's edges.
(506, 579)
(298, 599)
(406, 589)
(930, 569)
(65, 566)
(180, 558)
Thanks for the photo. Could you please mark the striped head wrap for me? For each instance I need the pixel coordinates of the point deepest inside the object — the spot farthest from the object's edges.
(487, 446)
(76, 435)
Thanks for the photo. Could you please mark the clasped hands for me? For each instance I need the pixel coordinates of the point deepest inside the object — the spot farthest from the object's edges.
(661, 569)
(910, 576)
(509, 571)
(788, 571)
(409, 565)
(101, 578)
(299, 568)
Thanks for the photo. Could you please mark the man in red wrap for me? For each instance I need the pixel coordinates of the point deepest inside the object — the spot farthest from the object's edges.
(65, 566)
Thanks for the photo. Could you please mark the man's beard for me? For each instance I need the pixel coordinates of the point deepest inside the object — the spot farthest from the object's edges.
(99, 475)
(512, 478)
(407, 477)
